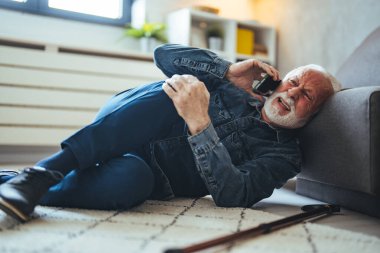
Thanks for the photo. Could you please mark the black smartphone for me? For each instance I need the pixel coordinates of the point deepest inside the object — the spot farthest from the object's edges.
(266, 86)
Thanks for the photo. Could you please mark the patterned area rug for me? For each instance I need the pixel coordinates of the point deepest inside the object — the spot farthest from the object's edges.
(158, 225)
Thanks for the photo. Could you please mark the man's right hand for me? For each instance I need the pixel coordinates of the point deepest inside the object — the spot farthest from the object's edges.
(191, 100)
(243, 73)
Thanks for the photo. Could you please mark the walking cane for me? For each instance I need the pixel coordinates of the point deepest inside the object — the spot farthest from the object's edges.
(310, 211)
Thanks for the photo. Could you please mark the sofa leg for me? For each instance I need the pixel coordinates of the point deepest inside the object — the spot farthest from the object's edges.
(353, 200)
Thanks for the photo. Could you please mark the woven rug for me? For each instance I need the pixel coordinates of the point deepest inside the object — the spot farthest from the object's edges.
(158, 225)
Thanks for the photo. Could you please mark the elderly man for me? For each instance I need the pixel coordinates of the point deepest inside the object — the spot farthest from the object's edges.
(202, 131)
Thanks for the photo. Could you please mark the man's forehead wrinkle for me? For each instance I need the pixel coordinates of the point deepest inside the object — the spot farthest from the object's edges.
(314, 78)
(323, 90)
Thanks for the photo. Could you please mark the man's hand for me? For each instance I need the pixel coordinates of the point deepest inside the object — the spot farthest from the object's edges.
(191, 100)
(243, 73)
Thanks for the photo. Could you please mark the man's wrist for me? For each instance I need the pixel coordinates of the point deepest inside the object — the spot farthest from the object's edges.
(228, 75)
(198, 126)
(204, 140)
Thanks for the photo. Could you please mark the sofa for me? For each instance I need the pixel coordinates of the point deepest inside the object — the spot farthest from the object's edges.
(341, 145)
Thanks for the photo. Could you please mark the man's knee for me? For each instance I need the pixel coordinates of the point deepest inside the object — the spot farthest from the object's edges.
(133, 179)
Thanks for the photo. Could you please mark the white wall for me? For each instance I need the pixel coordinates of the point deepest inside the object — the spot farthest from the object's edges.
(238, 9)
(324, 32)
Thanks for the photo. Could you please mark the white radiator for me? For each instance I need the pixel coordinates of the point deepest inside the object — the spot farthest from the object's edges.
(47, 93)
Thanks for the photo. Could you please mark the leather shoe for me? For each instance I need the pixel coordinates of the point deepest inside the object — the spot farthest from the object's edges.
(20, 195)
(5, 175)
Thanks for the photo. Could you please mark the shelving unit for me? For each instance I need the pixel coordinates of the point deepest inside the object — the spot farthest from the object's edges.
(189, 27)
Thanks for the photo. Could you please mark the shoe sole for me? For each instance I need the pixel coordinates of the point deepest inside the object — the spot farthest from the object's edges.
(12, 211)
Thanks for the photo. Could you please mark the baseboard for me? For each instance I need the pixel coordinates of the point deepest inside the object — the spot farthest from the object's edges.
(354, 200)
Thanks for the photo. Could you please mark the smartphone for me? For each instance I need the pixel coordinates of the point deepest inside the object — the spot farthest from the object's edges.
(266, 86)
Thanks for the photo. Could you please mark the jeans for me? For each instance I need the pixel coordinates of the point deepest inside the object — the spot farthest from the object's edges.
(120, 183)
(113, 171)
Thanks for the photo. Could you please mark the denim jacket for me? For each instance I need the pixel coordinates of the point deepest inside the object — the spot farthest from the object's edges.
(239, 159)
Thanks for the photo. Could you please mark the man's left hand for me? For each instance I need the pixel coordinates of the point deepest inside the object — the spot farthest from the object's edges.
(191, 100)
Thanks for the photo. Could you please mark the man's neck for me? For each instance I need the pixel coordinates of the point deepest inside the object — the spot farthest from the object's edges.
(257, 96)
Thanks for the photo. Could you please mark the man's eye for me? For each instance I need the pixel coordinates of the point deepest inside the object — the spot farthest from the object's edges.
(308, 97)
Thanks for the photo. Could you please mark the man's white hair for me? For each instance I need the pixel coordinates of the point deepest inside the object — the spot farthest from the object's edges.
(334, 82)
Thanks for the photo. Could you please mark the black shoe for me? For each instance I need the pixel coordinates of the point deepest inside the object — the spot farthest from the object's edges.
(20, 195)
(5, 175)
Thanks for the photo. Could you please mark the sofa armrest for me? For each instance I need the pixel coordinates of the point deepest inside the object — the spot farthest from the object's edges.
(340, 144)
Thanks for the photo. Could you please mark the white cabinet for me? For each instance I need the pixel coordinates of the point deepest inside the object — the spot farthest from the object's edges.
(189, 27)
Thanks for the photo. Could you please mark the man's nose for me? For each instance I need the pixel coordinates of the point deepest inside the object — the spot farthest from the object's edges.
(294, 92)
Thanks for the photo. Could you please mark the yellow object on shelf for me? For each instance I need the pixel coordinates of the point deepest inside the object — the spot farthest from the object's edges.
(245, 41)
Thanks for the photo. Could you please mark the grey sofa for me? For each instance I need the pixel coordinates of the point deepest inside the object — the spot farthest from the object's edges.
(341, 145)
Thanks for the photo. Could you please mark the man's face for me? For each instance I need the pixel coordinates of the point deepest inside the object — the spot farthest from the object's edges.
(299, 96)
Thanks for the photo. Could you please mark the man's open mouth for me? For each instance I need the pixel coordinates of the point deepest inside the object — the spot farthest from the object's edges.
(284, 104)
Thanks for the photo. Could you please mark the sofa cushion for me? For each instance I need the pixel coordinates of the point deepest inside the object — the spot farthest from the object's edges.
(361, 68)
(341, 145)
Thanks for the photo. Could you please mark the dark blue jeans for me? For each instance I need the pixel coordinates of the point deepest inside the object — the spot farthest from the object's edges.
(113, 171)
(120, 183)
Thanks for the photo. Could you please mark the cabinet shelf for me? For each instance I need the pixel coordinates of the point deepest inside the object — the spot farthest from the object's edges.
(258, 56)
(189, 27)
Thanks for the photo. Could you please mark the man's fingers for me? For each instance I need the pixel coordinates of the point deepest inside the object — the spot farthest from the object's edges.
(178, 85)
(269, 69)
(190, 78)
(274, 73)
(178, 82)
(167, 81)
(168, 89)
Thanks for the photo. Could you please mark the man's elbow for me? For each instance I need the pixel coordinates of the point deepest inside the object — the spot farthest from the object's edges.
(236, 202)
(163, 58)
(158, 54)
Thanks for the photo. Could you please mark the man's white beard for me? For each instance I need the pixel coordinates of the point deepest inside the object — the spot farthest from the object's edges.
(289, 120)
